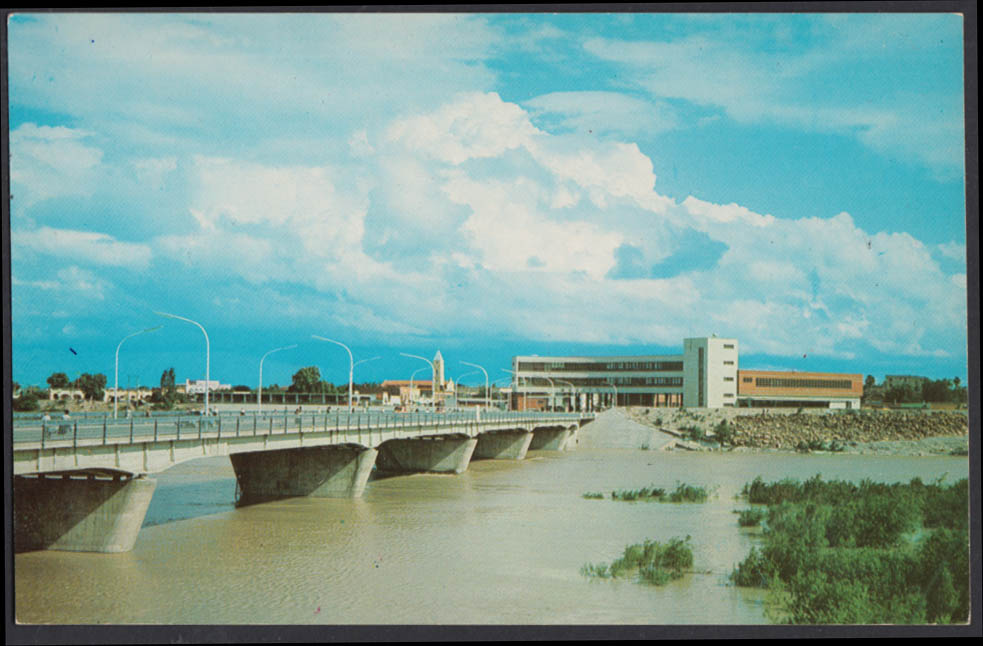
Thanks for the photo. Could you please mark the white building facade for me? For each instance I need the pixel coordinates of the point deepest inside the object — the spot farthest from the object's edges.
(705, 375)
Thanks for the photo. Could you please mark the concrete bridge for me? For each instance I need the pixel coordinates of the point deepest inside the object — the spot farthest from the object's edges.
(85, 486)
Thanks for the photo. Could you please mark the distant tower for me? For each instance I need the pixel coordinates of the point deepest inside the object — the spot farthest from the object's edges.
(438, 369)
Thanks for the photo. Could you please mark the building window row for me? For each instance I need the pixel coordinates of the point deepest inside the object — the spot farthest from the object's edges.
(774, 382)
(615, 366)
(666, 382)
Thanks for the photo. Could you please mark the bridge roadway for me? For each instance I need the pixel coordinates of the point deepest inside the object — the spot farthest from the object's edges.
(83, 485)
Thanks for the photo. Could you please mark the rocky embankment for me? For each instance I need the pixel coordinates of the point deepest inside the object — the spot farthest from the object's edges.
(904, 432)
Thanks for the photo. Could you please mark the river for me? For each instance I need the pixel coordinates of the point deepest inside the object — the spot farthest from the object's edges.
(502, 543)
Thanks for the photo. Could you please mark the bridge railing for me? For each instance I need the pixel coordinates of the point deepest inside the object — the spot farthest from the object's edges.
(72, 432)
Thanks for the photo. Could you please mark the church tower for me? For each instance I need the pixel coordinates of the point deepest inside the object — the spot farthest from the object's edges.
(438, 369)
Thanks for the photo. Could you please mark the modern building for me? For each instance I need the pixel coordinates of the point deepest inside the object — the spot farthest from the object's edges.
(772, 388)
(705, 375)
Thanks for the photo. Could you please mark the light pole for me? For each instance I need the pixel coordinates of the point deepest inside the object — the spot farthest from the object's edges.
(207, 349)
(552, 392)
(515, 379)
(363, 361)
(259, 396)
(573, 392)
(615, 403)
(474, 365)
(351, 365)
(116, 379)
(433, 382)
(495, 383)
(412, 377)
(457, 384)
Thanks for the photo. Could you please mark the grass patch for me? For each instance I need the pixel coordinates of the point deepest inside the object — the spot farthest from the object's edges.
(870, 553)
(649, 562)
(682, 493)
(594, 495)
(645, 494)
(689, 493)
(751, 517)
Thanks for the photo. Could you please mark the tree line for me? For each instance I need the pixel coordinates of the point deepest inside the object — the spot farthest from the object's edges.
(930, 390)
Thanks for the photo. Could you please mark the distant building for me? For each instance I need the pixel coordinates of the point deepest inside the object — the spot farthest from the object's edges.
(410, 390)
(705, 375)
(904, 381)
(197, 387)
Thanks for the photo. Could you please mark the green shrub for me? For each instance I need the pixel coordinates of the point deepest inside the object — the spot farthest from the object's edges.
(860, 554)
(751, 517)
(648, 562)
(645, 493)
(27, 402)
(688, 493)
(593, 495)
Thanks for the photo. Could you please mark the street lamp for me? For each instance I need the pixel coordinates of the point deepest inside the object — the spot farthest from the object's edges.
(259, 396)
(207, 349)
(116, 379)
(515, 379)
(433, 382)
(474, 365)
(351, 366)
(615, 403)
(412, 377)
(552, 393)
(573, 392)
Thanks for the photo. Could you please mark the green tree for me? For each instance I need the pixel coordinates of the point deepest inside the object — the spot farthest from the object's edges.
(92, 386)
(870, 382)
(167, 396)
(306, 380)
(27, 402)
(59, 380)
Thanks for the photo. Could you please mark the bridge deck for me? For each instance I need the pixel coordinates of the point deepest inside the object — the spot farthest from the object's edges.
(153, 444)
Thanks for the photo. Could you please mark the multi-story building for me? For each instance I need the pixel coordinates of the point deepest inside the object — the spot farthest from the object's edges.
(705, 375)
(770, 388)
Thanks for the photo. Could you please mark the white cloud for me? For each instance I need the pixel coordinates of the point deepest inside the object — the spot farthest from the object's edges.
(47, 162)
(601, 113)
(88, 246)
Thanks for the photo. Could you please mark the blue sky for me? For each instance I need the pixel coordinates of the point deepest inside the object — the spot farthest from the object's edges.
(487, 185)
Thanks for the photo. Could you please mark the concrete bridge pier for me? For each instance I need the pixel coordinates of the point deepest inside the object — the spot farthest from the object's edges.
(80, 512)
(503, 445)
(552, 438)
(336, 471)
(434, 454)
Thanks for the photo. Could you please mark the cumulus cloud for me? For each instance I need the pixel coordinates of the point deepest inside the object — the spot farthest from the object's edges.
(89, 246)
(47, 162)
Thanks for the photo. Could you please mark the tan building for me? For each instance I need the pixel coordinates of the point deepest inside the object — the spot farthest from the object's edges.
(772, 388)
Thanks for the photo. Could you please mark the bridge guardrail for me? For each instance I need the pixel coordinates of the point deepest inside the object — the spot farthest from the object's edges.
(132, 430)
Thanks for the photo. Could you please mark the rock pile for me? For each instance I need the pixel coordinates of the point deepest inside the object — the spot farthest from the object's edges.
(791, 430)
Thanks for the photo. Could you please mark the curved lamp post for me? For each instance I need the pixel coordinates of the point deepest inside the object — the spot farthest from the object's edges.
(351, 365)
(116, 378)
(412, 377)
(259, 396)
(614, 404)
(515, 379)
(433, 381)
(573, 392)
(207, 349)
(474, 365)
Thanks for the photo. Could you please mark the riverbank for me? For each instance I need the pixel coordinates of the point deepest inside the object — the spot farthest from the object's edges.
(857, 432)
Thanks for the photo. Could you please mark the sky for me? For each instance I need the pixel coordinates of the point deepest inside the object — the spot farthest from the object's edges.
(486, 185)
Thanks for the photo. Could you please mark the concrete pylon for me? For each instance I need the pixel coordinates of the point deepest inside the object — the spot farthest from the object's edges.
(339, 471)
(80, 513)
